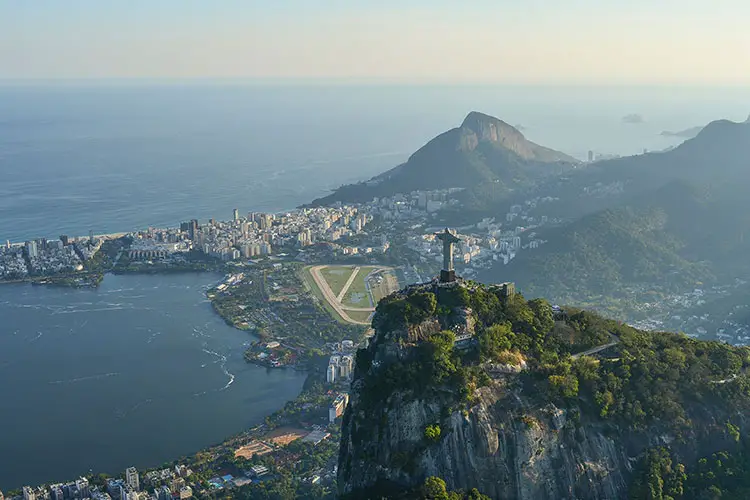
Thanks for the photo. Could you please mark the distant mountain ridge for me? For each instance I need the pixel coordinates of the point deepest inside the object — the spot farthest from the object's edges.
(681, 219)
(692, 132)
(483, 149)
(688, 133)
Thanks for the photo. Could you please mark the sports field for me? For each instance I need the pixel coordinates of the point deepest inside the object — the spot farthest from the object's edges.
(253, 448)
(357, 295)
(336, 277)
(351, 292)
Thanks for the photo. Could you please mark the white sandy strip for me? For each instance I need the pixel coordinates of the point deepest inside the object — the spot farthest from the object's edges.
(349, 282)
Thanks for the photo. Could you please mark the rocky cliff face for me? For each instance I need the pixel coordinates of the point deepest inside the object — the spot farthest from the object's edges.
(508, 441)
(505, 445)
(479, 127)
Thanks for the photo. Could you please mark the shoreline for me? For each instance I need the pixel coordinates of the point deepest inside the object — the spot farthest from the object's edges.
(294, 348)
(258, 425)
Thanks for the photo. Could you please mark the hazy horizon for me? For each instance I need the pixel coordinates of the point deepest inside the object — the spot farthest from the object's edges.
(500, 42)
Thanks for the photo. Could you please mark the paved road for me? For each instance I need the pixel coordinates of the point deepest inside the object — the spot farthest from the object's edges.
(348, 283)
(600, 348)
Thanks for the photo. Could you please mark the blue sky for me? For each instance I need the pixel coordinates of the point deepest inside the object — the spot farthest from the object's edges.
(520, 41)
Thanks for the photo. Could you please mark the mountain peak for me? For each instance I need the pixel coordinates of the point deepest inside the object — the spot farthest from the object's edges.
(478, 128)
(721, 130)
(482, 150)
(477, 118)
(490, 129)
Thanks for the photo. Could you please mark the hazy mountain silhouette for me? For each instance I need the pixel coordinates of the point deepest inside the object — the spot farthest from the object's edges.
(682, 218)
(688, 133)
(483, 149)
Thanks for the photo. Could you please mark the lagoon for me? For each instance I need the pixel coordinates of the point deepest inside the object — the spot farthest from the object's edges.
(138, 372)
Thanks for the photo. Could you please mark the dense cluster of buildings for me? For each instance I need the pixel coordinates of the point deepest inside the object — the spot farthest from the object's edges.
(164, 484)
(340, 368)
(490, 241)
(43, 257)
(414, 205)
(341, 363)
(255, 235)
(696, 314)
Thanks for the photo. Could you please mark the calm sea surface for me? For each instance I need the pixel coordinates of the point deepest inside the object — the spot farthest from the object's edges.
(138, 372)
(117, 158)
(141, 370)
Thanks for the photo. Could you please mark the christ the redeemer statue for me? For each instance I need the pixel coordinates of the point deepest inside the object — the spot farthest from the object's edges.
(447, 274)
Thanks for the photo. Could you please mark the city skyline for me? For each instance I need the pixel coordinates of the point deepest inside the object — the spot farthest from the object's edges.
(540, 41)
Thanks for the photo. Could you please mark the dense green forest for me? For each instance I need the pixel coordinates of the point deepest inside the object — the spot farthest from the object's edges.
(643, 381)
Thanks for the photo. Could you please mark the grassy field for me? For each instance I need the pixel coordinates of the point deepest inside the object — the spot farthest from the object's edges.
(310, 282)
(388, 285)
(363, 293)
(381, 284)
(336, 277)
(359, 315)
(358, 295)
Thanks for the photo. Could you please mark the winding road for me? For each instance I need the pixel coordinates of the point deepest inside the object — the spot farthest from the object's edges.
(594, 350)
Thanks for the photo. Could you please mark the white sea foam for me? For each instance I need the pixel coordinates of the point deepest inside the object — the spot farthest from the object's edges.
(81, 379)
(222, 360)
(122, 414)
(231, 379)
(78, 311)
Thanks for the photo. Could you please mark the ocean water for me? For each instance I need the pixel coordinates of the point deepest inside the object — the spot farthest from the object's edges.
(141, 370)
(110, 158)
(138, 372)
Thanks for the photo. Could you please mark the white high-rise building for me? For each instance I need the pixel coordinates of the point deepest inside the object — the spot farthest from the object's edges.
(331, 374)
(131, 478)
(32, 250)
(28, 493)
(83, 487)
(345, 366)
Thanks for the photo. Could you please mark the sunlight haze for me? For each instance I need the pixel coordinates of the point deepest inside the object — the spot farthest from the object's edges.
(536, 41)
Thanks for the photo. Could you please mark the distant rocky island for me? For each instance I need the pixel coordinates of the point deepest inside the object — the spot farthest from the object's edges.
(633, 118)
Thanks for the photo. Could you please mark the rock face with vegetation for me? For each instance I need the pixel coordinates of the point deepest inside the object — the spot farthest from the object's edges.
(511, 398)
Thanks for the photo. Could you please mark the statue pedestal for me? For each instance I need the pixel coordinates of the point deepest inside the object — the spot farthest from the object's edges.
(447, 276)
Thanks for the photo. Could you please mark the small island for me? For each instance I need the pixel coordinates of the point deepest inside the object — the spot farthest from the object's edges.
(633, 118)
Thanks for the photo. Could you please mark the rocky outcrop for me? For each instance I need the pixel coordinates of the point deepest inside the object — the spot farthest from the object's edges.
(504, 438)
(505, 445)
(479, 127)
